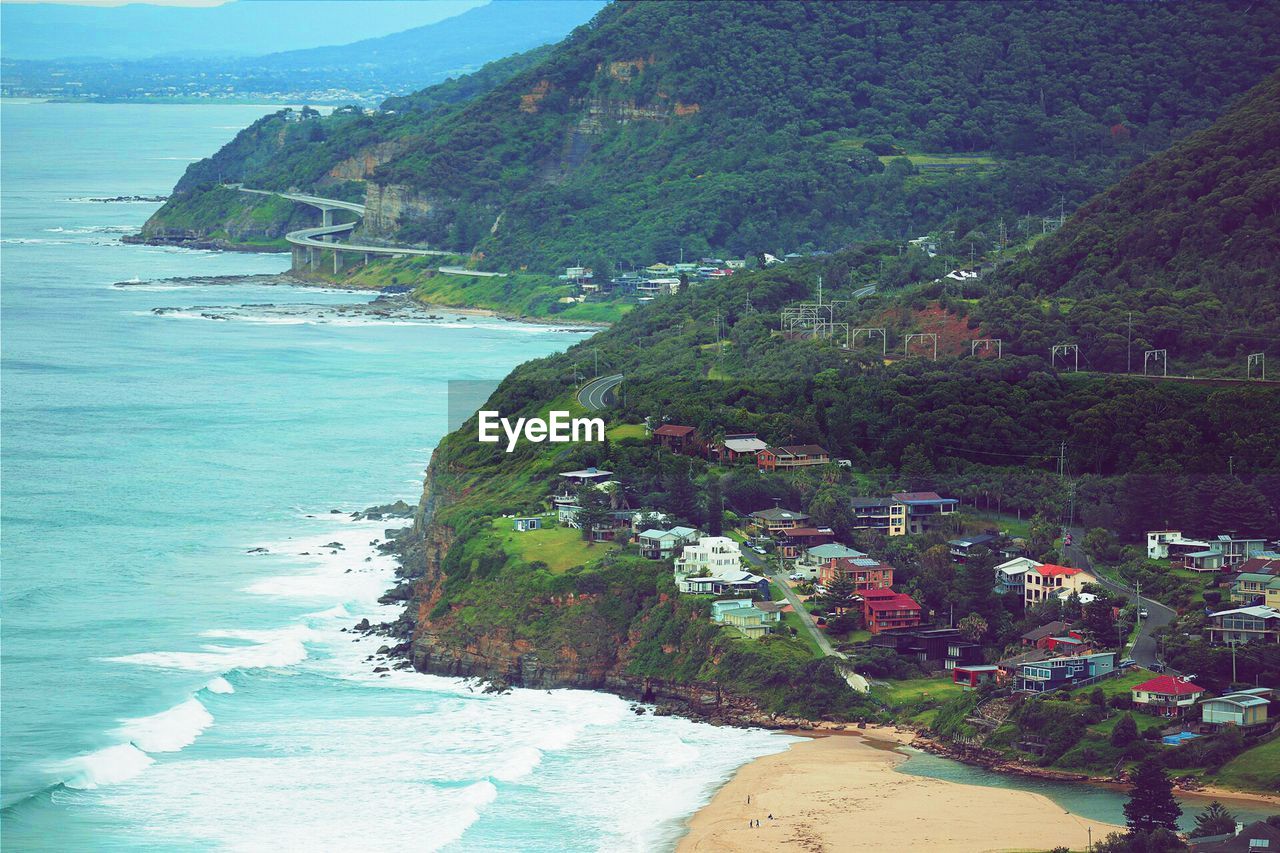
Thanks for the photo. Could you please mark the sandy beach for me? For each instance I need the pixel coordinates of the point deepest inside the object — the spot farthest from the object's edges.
(841, 793)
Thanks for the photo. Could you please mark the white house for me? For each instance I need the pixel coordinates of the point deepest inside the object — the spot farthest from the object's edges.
(711, 555)
(1011, 576)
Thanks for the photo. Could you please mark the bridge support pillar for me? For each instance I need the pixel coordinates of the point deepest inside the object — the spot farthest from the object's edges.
(295, 258)
(337, 261)
(312, 256)
(366, 259)
(326, 216)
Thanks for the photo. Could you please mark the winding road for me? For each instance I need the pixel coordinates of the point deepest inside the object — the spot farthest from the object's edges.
(1144, 649)
(600, 393)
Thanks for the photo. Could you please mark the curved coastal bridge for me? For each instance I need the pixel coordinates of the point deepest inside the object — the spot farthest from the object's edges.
(309, 244)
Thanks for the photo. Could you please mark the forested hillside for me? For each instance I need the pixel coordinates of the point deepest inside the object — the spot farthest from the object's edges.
(663, 126)
(1189, 240)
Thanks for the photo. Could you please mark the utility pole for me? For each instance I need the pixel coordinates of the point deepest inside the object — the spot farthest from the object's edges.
(819, 290)
(1129, 346)
(596, 352)
(1062, 459)
(1233, 660)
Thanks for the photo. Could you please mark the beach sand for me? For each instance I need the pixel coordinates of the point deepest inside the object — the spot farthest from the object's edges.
(842, 793)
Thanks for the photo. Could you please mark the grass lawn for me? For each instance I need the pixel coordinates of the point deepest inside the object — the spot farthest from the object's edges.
(1121, 684)
(561, 548)
(913, 690)
(1019, 528)
(1255, 770)
(621, 431)
(792, 620)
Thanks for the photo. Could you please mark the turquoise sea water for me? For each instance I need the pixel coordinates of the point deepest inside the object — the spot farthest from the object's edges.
(164, 688)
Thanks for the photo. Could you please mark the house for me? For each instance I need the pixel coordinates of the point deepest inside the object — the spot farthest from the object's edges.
(1066, 644)
(776, 520)
(865, 572)
(734, 583)
(1166, 695)
(883, 514)
(791, 456)
(1250, 587)
(660, 544)
(1036, 636)
(1201, 555)
(659, 269)
(971, 676)
(738, 447)
(930, 646)
(925, 510)
(1257, 837)
(531, 523)
(1256, 624)
(1048, 580)
(1271, 597)
(586, 475)
(811, 561)
(966, 546)
(677, 438)
(1063, 673)
(753, 618)
(710, 555)
(1243, 708)
(797, 540)
(883, 609)
(1011, 575)
(1007, 668)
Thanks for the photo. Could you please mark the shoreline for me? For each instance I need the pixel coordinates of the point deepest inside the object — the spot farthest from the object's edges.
(409, 304)
(844, 792)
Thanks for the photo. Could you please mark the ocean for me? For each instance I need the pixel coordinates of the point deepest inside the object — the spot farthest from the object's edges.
(163, 687)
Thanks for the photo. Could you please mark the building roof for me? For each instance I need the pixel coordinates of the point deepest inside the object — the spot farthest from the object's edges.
(1242, 700)
(985, 667)
(586, 473)
(1258, 577)
(675, 430)
(654, 533)
(1052, 629)
(682, 532)
(744, 445)
(801, 532)
(899, 601)
(1167, 685)
(769, 606)
(1245, 841)
(779, 514)
(798, 450)
(922, 498)
(1264, 565)
(833, 551)
(970, 541)
(1259, 611)
(1033, 656)
(1050, 570)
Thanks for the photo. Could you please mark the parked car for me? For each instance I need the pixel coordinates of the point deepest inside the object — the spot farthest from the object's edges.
(1128, 662)
(1142, 613)
(796, 576)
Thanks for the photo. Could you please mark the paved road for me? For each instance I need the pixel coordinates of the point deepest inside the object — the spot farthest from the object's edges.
(865, 291)
(465, 271)
(311, 237)
(1158, 615)
(765, 566)
(600, 393)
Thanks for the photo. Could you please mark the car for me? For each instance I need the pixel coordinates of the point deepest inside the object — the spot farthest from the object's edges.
(796, 576)
(1127, 662)
(1190, 676)
(1142, 613)
(1157, 667)
(758, 549)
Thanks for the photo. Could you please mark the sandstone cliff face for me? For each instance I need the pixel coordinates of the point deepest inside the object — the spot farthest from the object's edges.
(389, 207)
(361, 166)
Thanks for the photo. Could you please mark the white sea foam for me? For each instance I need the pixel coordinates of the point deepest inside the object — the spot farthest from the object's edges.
(219, 685)
(168, 731)
(283, 647)
(104, 767)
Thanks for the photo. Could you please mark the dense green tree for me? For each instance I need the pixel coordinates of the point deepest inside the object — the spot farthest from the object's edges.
(1214, 820)
(839, 594)
(715, 508)
(1151, 804)
(593, 509)
(1124, 732)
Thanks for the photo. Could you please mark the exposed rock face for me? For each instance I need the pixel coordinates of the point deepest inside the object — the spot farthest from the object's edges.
(361, 166)
(388, 208)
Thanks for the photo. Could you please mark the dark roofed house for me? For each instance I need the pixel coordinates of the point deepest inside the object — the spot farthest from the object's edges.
(925, 509)
(777, 520)
(799, 539)
(1257, 837)
(678, 438)
(964, 547)
(792, 456)
(737, 447)
(1037, 636)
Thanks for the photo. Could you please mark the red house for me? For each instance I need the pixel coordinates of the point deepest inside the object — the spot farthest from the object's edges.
(680, 439)
(867, 574)
(883, 609)
(792, 456)
(969, 677)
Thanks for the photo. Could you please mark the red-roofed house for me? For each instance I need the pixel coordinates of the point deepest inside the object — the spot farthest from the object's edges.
(1167, 695)
(1049, 581)
(883, 609)
(681, 439)
(791, 456)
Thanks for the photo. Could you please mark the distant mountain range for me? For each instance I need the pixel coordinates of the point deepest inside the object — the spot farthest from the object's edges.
(364, 71)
